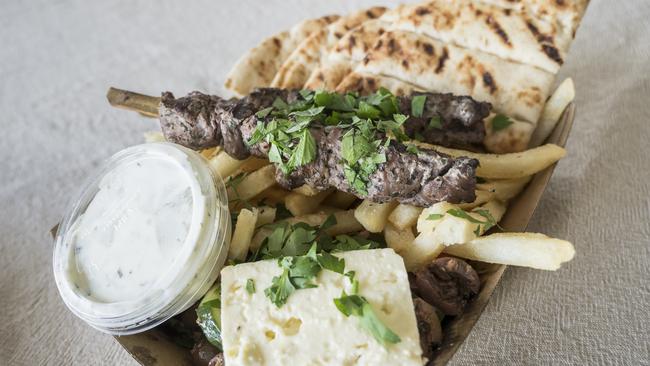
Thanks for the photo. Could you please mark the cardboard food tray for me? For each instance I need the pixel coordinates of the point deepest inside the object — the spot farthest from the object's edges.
(155, 347)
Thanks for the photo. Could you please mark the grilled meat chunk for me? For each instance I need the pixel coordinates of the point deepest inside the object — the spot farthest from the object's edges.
(447, 120)
(423, 178)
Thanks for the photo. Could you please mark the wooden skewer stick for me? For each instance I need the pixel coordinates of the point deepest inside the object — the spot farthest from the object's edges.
(143, 104)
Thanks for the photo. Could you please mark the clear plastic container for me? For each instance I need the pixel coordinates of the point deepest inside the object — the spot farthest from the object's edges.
(180, 278)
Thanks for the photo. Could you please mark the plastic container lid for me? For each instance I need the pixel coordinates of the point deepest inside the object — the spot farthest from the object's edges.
(144, 240)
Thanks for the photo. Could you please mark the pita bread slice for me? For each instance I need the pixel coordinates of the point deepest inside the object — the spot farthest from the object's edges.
(301, 63)
(506, 33)
(516, 90)
(565, 14)
(513, 138)
(365, 84)
(257, 67)
(343, 57)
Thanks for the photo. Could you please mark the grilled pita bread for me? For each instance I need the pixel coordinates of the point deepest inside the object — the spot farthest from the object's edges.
(513, 138)
(509, 34)
(516, 90)
(342, 58)
(365, 84)
(257, 67)
(307, 57)
(564, 14)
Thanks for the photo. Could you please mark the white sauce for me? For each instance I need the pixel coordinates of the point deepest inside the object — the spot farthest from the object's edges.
(139, 229)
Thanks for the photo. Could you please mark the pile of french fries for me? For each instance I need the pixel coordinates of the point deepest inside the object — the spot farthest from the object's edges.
(418, 234)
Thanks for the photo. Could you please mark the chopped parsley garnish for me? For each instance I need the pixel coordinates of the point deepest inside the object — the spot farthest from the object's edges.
(413, 149)
(500, 122)
(487, 224)
(417, 105)
(371, 122)
(434, 217)
(302, 252)
(435, 122)
(359, 307)
(250, 286)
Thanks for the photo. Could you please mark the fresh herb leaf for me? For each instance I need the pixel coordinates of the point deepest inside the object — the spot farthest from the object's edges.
(264, 112)
(333, 101)
(434, 217)
(464, 215)
(368, 111)
(487, 224)
(307, 94)
(328, 223)
(311, 112)
(412, 149)
(435, 122)
(331, 262)
(280, 104)
(500, 122)
(489, 219)
(280, 290)
(417, 105)
(305, 152)
(250, 286)
(359, 307)
(400, 118)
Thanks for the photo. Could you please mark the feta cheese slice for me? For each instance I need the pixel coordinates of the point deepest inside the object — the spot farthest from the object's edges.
(309, 329)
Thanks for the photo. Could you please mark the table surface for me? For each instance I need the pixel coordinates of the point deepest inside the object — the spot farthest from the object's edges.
(59, 57)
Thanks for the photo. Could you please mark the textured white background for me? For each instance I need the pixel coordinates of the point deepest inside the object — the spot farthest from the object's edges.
(57, 58)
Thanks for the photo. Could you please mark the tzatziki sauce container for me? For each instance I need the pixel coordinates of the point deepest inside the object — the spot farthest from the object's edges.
(144, 240)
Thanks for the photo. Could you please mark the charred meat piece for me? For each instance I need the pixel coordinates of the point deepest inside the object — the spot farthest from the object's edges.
(447, 120)
(203, 353)
(428, 326)
(193, 121)
(447, 283)
(420, 178)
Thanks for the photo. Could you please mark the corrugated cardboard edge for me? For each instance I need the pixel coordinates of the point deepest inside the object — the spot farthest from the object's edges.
(519, 213)
(154, 348)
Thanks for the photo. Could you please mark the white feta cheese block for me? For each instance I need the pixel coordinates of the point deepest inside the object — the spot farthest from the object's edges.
(309, 329)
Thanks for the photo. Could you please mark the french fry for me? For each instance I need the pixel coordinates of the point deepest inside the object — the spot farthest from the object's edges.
(261, 234)
(253, 184)
(224, 165)
(273, 195)
(504, 189)
(299, 204)
(454, 230)
(153, 136)
(265, 215)
(241, 237)
(516, 249)
(252, 164)
(404, 216)
(307, 190)
(345, 221)
(481, 198)
(373, 216)
(210, 152)
(553, 109)
(427, 220)
(424, 249)
(398, 240)
(509, 166)
(340, 199)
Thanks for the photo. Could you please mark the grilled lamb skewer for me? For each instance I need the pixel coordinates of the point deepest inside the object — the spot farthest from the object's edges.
(419, 177)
